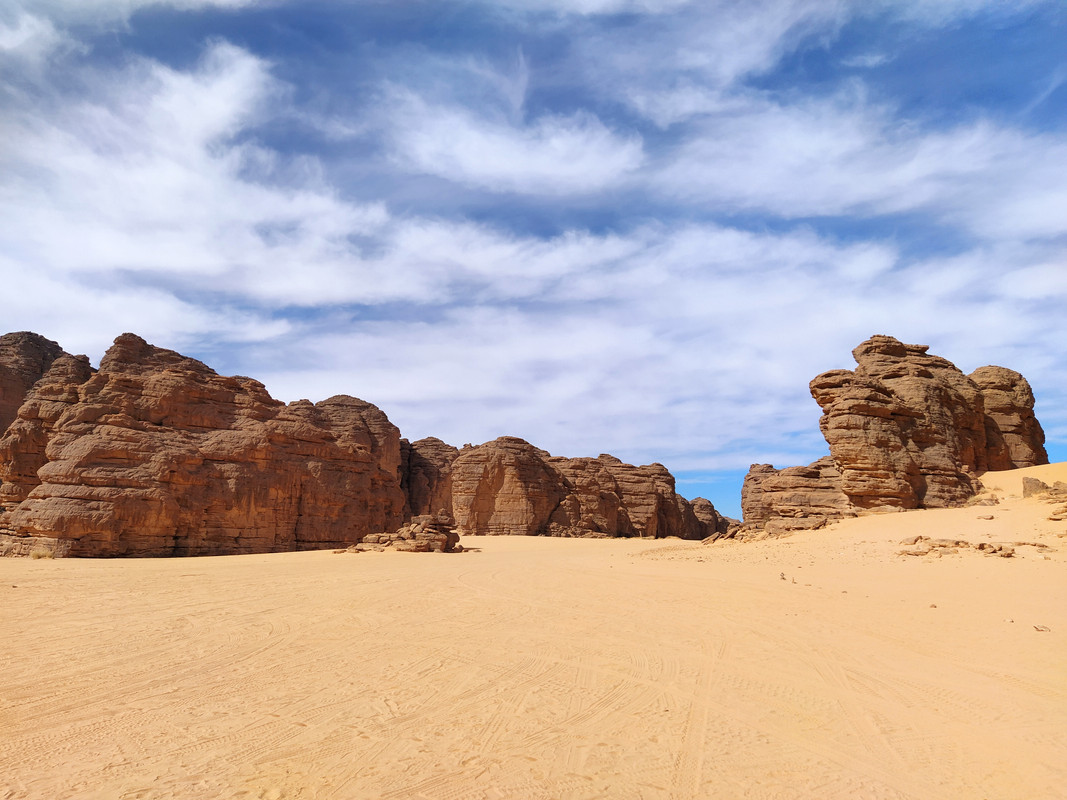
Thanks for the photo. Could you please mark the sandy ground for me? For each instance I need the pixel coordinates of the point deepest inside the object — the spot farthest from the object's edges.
(819, 666)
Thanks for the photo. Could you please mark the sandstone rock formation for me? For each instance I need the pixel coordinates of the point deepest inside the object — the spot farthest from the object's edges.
(425, 533)
(426, 474)
(508, 486)
(906, 430)
(505, 487)
(1009, 410)
(794, 498)
(714, 525)
(156, 454)
(24, 358)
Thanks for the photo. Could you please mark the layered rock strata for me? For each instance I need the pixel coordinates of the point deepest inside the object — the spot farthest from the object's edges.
(906, 430)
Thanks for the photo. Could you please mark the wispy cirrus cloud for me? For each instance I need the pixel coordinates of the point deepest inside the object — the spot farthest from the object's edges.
(553, 154)
(844, 156)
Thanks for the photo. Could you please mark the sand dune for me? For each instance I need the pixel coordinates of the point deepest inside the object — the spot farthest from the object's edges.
(819, 666)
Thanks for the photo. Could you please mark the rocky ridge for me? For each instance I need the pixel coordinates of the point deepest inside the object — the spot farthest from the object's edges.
(906, 430)
(156, 454)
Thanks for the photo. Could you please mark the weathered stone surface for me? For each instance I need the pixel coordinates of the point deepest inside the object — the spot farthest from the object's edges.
(508, 486)
(1009, 408)
(33, 546)
(794, 498)
(425, 533)
(22, 448)
(156, 454)
(906, 430)
(24, 358)
(715, 525)
(505, 487)
(1034, 486)
(427, 474)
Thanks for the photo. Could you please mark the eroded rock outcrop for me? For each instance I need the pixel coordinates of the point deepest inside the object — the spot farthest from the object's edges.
(426, 475)
(508, 486)
(24, 358)
(425, 533)
(505, 487)
(794, 498)
(1009, 410)
(906, 430)
(156, 454)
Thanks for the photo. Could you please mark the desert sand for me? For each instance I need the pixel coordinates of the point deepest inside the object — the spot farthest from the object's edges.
(822, 665)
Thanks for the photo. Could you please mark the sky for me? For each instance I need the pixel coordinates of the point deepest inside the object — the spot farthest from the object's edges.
(636, 227)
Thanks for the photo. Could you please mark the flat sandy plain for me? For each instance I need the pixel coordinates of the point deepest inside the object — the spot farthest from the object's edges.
(817, 666)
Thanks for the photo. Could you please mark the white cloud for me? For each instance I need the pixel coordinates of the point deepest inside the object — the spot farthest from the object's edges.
(844, 156)
(142, 174)
(550, 155)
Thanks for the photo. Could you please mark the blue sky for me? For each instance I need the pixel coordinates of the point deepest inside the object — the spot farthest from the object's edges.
(627, 226)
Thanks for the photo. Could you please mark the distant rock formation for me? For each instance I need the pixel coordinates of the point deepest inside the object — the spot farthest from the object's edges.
(906, 430)
(508, 486)
(155, 454)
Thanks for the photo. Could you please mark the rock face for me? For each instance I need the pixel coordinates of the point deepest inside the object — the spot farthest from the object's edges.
(427, 474)
(24, 358)
(156, 454)
(794, 498)
(715, 525)
(505, 487)
(906, 430)
(1009, 409)
(508, 486)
